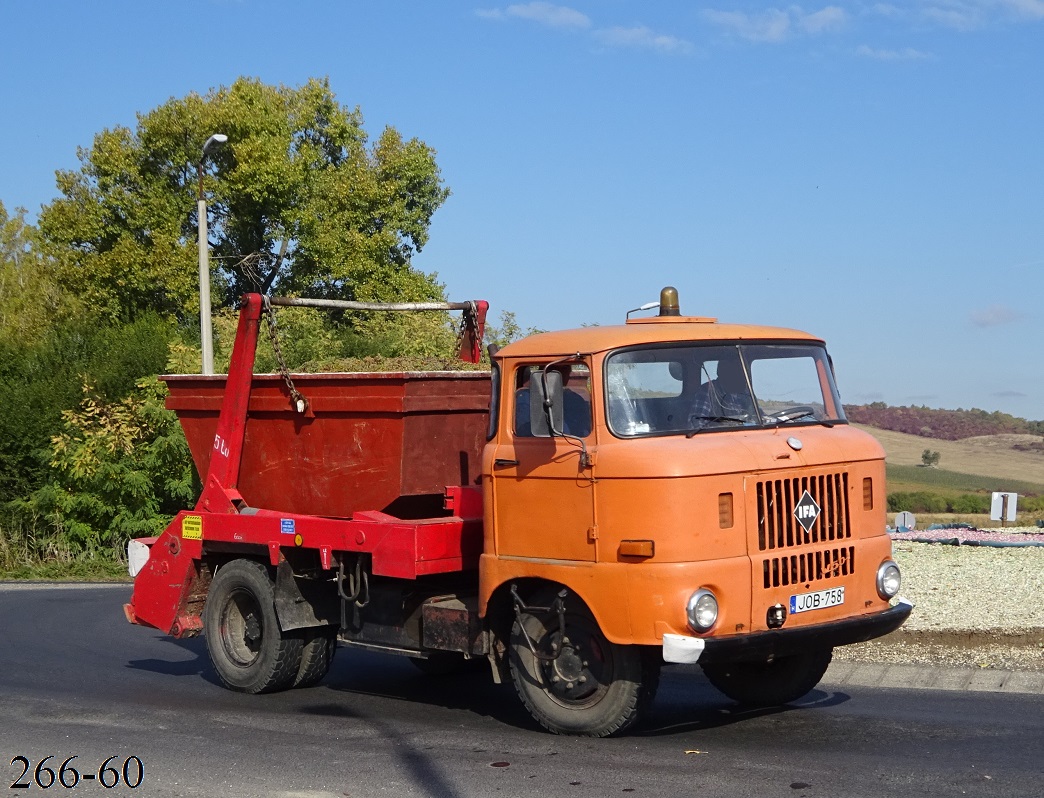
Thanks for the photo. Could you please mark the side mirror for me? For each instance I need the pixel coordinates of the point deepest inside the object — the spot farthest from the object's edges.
(546, 408)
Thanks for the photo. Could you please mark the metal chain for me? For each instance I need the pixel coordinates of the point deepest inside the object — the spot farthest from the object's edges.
(468, 320)
(300, 403)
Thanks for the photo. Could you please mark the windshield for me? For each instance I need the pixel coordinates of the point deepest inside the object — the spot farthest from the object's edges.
(695, 388)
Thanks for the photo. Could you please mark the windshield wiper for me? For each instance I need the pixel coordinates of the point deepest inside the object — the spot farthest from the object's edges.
(791, 414)
(828, 424)
(713, 419)
(784, 419)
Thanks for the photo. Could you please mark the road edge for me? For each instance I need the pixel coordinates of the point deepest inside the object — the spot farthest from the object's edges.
(933, 677)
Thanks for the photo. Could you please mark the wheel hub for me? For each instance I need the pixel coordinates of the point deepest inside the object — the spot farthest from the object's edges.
(241, 629)
(569, 676)
(569, 667)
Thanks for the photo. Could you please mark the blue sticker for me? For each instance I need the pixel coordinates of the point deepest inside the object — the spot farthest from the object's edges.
(287, 526)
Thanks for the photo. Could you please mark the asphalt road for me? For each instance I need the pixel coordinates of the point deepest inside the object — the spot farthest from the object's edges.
(76, 679)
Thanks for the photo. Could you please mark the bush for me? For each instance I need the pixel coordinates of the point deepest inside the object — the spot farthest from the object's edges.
(121, 470)
(970, 504)
(918, 502)
(39, 381)
(1031, 504)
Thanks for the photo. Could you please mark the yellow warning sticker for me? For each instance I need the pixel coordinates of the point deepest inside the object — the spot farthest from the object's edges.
(192, 527)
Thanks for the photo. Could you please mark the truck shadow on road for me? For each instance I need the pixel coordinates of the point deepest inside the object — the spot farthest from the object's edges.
(196, 664)
(390, 677)
(686, 702)
(361, 683)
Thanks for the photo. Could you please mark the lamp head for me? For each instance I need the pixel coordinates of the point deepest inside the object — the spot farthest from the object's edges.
(213, 141)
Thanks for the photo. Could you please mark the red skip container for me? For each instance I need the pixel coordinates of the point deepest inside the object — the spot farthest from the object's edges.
(370, 441)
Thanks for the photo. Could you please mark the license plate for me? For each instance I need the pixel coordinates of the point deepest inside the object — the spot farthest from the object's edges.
(821, 599)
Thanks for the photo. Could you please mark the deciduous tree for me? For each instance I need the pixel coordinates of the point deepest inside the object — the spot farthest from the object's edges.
(930, 458)
(29, 297)
(300, 201)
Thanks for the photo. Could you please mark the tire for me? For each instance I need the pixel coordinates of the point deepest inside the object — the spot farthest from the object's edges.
(594, 688)
(766, 684)
(317, 652)
(448, 664)
(244, 641)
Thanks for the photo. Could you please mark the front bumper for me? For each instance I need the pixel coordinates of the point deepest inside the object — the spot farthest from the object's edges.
(762, 646)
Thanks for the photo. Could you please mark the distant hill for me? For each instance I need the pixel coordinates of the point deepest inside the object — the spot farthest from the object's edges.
(993, 457)
(947, 425)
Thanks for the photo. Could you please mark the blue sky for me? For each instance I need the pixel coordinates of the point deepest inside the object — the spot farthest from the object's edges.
(870, 172)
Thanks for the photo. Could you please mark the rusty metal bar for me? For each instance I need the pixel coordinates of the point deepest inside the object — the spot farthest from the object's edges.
(344, 304)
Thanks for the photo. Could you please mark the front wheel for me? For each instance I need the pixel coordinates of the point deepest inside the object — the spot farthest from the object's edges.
(246, 646)
(573, 680)
(766, 684)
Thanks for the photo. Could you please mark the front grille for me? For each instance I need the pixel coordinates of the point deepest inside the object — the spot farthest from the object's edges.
(778, 528)
(809, 567)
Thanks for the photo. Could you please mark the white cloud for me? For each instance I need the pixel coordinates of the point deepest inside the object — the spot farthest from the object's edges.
(965, 15)
(887, 10)
(994, 316)
(1027, 9)
(642, 38)
(771, 25)
(906, 54)
(829, 18)
(543, 13)
(554, 16)
(959, 17)
(775, 25)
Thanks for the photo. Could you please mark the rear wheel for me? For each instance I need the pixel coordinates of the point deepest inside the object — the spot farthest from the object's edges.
(246, 646)
(317, 652)
(577, 682)
(765, 684)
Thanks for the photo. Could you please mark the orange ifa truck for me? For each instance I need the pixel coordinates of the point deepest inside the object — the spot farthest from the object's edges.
(601, 503)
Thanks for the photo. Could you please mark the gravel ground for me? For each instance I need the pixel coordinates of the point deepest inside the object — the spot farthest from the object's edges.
(975, 606)
(1021, 536)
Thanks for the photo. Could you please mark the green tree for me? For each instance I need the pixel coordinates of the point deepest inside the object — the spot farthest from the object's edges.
(930, 458)
(507, 331)
(30, 299)
(300, 203)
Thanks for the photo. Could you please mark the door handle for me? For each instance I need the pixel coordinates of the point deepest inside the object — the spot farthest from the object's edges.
(498, 463)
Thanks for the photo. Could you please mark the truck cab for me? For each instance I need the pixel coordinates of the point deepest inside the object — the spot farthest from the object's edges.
(688, 488)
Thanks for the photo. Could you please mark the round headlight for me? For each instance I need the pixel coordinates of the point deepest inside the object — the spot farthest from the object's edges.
(888, 579)
(702, 610)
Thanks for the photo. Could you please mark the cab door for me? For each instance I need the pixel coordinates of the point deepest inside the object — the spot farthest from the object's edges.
(543, 498)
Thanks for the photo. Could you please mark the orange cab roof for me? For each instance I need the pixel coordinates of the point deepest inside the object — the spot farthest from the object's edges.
(654, 330)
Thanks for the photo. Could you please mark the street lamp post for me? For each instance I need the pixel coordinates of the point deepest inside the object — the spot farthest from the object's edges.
(205, 329)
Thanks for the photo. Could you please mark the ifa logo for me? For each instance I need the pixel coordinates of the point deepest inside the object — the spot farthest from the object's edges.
(806, 511)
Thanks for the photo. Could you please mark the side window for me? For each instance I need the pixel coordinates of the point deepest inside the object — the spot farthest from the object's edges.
(522, 378)
(576, 397)
(494, 402)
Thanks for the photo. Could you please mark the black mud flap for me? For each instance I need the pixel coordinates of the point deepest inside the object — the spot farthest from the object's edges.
(304, 603)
